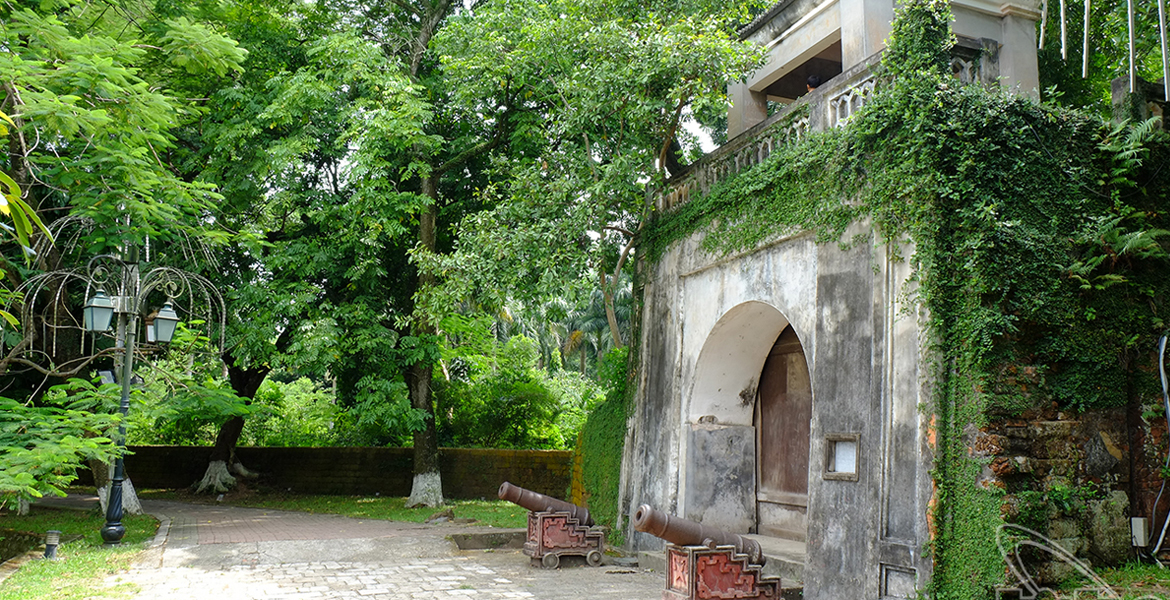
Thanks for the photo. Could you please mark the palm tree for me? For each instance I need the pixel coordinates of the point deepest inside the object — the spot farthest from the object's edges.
(589, 327)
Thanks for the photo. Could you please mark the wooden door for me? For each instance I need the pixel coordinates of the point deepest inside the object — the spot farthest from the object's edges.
(783, 415)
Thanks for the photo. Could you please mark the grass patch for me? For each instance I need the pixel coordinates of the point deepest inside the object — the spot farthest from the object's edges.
(494, 513)
(1131, 581)
(83, 564)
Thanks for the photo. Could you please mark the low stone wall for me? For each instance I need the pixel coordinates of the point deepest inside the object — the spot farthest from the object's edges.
(13, 543)
(467, 472)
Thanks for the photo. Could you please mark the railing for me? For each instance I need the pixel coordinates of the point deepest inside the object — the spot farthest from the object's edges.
(828, 106)
(737, 155)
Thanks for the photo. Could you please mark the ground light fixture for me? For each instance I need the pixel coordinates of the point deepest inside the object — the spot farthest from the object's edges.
(52, 539)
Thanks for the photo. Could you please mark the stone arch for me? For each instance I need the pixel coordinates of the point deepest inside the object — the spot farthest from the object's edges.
(729, 364)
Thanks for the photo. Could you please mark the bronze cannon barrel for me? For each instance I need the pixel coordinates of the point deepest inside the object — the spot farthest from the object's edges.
(684, 532)
(537, 502)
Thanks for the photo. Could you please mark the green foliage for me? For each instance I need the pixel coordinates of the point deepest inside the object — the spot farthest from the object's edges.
(185, 397)
(603, 437)
(1132, 581)
(196, 48)
(504, 400)
(297, 413)
(41, 447)
(380, 416)
(88, 82)
(1062, 80)
(920, 40)
(572, 191)
(25, 220)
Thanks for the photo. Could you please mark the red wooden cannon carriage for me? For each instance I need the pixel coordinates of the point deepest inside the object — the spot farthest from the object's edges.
(704, 562)
(556, 528)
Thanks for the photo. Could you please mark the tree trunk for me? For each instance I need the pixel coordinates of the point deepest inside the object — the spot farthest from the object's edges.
(427, 488)
(222, 463)
(610, 314)
(130, 503)
(218, 478)
(102, 472)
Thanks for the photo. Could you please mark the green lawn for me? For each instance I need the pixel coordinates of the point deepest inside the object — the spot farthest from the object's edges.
(82, 564)
(494, 513)
(1132, 581)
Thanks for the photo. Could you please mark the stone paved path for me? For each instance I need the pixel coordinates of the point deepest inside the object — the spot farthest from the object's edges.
(229, 553)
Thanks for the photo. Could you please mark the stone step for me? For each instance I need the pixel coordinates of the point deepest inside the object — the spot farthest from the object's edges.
(786, 558)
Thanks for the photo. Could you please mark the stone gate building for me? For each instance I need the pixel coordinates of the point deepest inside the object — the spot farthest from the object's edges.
(780, 387)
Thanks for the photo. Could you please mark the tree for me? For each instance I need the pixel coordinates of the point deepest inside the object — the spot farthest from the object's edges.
(1063, 75)
(341, 157)
(613, 81)
(43, 446)
(92, 126)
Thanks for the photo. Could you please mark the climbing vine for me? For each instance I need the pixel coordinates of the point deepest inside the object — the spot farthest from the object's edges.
(602, 439)
(1038, 236)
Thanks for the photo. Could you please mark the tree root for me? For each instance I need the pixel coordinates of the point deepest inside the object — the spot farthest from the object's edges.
(239, 469)
(217, 479)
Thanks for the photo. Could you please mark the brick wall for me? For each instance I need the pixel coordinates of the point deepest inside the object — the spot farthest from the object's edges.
(1074, 478)
(467, 472)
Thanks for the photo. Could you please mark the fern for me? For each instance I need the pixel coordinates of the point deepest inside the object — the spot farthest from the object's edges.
(1128, 146)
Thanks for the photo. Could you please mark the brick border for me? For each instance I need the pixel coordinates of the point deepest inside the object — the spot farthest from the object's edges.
(467, 472)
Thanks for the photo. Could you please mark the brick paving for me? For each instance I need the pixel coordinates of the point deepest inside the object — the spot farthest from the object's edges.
(229, 553)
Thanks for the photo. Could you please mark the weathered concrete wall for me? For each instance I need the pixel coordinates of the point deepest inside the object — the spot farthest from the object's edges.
(466, 472)
(709, 323)
(721, 458)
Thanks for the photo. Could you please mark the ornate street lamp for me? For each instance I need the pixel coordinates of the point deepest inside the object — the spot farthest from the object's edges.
(114, 285)
(164, 323)
(99, 310)
(133, 290)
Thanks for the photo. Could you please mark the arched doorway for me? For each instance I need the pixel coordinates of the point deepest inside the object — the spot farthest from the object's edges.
(782, 420)
(720, 483)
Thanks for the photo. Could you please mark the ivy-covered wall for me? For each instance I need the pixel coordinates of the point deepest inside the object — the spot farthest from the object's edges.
(600, 446)
(1039, 239)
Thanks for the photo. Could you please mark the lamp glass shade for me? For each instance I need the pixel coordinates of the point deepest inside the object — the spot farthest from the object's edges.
(98, 312)
(165, 322)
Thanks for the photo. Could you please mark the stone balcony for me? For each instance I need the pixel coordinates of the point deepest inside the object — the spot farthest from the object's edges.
(830, 105)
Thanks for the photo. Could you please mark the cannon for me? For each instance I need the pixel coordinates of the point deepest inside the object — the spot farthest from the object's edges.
(555, 528)
(684, 532)
(536, 502)
(706, 562)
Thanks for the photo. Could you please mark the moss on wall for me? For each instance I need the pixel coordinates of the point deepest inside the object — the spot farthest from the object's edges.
(602, 439)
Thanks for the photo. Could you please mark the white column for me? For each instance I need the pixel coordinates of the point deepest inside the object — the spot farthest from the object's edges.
(865, 25)
(1019, 70)
(747, 109)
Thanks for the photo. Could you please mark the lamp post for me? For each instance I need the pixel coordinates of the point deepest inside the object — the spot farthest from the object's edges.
(99, 310)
